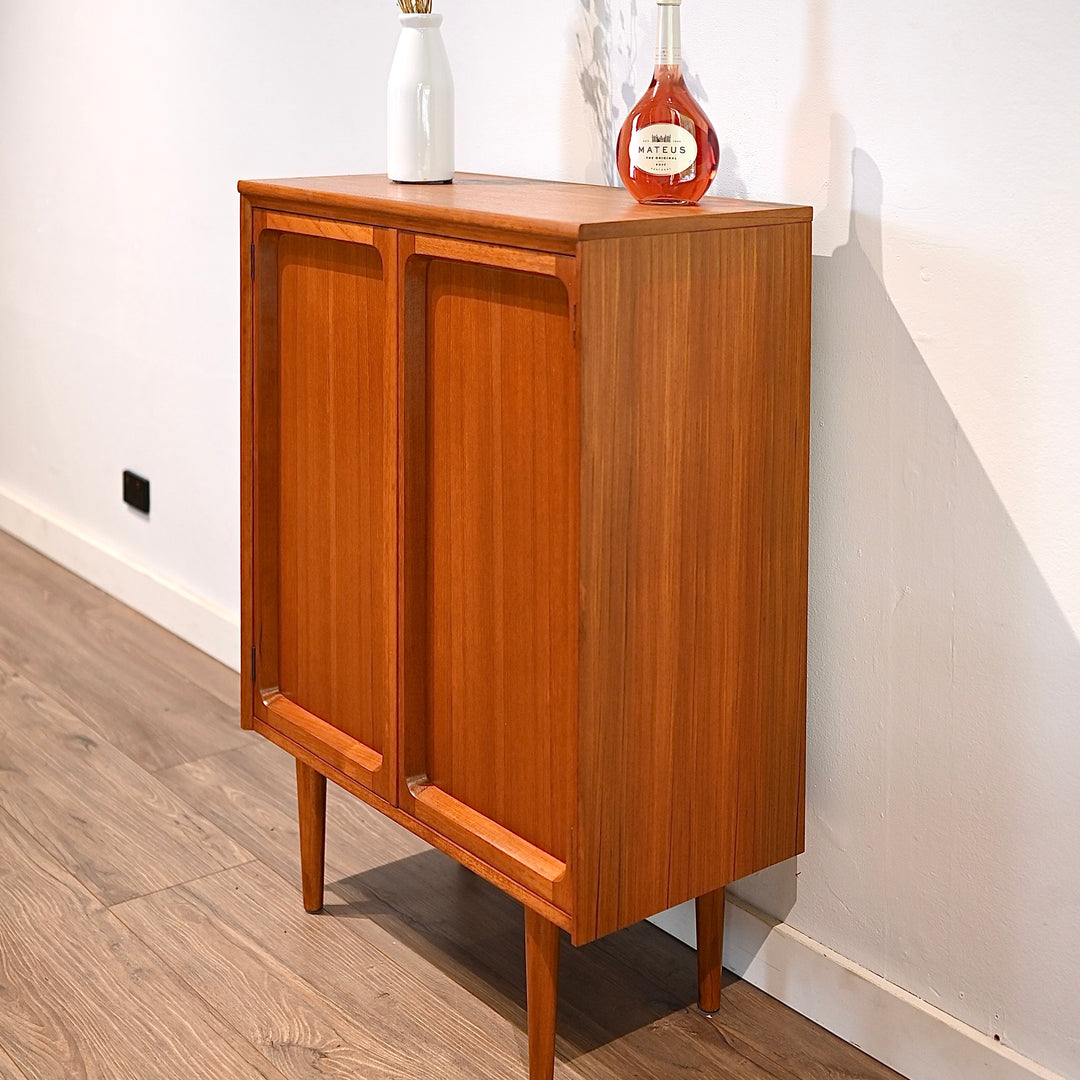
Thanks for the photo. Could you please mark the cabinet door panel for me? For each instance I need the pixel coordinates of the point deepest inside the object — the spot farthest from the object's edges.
(492, 734)
(326, 492)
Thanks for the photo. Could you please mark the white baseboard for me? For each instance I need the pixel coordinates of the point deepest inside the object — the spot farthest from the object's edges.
(190, 617)
(916, 1039)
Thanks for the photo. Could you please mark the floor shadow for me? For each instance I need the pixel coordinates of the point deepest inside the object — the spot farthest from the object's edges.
(474, 933)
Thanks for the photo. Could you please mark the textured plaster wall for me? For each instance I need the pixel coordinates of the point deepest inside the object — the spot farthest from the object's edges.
(940, 145)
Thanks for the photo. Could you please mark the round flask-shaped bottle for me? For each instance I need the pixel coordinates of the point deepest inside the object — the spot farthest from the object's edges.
(667, 150)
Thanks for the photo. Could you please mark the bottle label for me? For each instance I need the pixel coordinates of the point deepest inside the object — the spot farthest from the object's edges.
(663, 149)
(668, 53)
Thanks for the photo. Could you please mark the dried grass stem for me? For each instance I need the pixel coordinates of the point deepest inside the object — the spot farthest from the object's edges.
(415, 7)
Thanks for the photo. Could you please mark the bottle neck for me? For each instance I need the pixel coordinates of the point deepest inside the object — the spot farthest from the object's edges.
(668, 37)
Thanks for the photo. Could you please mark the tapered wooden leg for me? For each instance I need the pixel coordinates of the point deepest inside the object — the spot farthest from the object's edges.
(542, 981)
(311, 802)
(710, 948)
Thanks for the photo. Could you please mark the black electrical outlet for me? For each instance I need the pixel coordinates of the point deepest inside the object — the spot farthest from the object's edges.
(137, 491)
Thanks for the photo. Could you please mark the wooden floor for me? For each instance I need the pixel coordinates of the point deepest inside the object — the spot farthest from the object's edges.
(150, 915)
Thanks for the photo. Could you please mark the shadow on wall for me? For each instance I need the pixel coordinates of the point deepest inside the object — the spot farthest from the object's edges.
(943, 681)
(944, 678)
(606, 59)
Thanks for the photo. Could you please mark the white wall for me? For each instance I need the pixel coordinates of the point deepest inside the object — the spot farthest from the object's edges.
(939, 143)
(124, 127)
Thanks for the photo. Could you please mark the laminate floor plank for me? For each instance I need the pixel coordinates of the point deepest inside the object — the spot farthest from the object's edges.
(53, 631)
(126, 632)
(113, 826)
(453, 931)
(767, 1030)
(613, 1023)
(81, 998)
(250, 793)
(761, 1027)
(8, 1069)
(121, 757)
(314, 998)
(121, 628)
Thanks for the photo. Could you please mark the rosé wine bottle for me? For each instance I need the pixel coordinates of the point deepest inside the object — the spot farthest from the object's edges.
(668, 150)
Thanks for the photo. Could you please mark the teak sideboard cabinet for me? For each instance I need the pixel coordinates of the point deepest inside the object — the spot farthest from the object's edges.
(524, 535)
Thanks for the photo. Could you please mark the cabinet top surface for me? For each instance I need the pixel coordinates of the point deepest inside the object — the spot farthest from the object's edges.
(538, 208)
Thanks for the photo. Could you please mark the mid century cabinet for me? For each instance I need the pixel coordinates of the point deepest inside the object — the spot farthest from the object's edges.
(524, 535)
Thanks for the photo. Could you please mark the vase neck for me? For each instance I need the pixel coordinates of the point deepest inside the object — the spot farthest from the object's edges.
(668, 36)
(421, 22)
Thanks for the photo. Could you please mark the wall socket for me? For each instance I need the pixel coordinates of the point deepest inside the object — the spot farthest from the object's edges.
(137, 491)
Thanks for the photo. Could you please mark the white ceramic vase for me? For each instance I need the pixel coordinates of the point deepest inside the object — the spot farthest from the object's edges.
(420, 105)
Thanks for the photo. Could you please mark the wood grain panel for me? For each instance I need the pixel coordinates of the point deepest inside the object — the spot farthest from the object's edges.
(501, 557)
(488, 255)
(542, 981)
(709, 912)
(341, 750)
(311, 815)
(695, 406)
(326, 409)
(337, 465)
(304, 225)
(775, 560)
(498, 867)
(508, 210)
(81, 998)
(532, 866)
(109, 823)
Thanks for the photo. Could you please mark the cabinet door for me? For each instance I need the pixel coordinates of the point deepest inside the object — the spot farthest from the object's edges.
(325, 491)
(490, 510)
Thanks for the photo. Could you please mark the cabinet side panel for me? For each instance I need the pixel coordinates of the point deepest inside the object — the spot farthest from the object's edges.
(247, 451)
(338, 487)
(770, 822)
(502, 558)
(695, 398)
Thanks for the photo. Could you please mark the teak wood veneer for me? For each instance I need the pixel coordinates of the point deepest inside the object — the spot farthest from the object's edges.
(524, 535)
